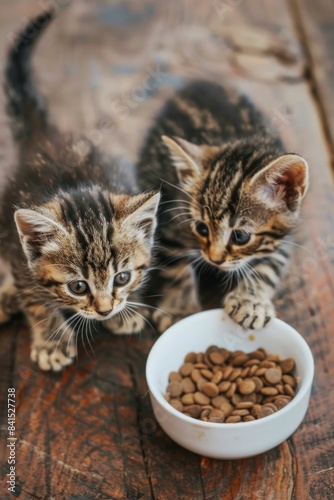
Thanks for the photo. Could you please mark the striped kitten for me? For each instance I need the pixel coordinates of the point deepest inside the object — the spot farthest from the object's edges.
(80, 244)
(231, 194)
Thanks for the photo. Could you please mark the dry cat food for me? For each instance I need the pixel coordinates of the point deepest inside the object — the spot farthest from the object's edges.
(223, 386)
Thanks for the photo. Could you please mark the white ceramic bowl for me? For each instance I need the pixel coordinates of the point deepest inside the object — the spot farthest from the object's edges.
(227, 441)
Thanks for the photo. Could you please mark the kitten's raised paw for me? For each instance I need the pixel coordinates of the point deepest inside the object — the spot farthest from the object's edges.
(120, 326)
(248, 310)
(165, 320)
(51, 357)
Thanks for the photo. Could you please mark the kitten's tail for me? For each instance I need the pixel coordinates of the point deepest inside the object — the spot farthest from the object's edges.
(24, 105)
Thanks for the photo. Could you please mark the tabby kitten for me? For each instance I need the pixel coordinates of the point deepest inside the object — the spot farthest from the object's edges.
(75, 240)
(231, 194)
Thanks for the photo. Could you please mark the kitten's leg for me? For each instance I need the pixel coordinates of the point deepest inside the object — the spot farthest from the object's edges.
(179, 295)
(8, 298)
(131, 320)
(250, 303)
(52, 339)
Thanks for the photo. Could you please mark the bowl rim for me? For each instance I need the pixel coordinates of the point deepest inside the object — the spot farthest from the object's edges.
(305, 384)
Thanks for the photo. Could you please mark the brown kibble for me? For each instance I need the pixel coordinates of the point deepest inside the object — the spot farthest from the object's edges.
(188, 385)
(273, 375)
(248, 418)
(244, 405)
(225, 353)
(265, 412)
(252, 370)
(260, 371)
(269, 391)
(200, 366)
(267, 364)
(258, 383)
(235, 399)
(186, 369)
(176, 403)
(231, 390)
(217, 377)
(227, 372)
(259, 398)
(289, 379)
(216, 358)
(239, 360)
(242, 412)
(245, 372)
(224, 386)
(216, 413)
(188, 399)
(174, 376)
(201, 382)
(195, 375)
(247, 386)
(233, 419)
(255, 410)
(205, 414)
(207, 374)
(281, 402)
(191, 357)
(194, 410)
(200, 357)
(289, 391)
(174, 388)
(207, 361)
(211, 390)
(201, 398)
(252, 362)
(260, 355)
(249, 398)
(218, 401)
(287, 365)
(226, 408)
(271, 405)
(235, 374)
(280, 388)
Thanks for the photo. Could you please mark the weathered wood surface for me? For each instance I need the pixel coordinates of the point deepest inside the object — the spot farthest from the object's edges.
(90, 432)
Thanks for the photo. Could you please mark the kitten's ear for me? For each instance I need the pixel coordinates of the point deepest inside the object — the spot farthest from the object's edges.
(143, 213)
(35, 231)
(186, 158)
(284, 182)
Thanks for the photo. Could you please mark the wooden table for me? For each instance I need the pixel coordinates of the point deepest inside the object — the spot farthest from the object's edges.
(89, 432)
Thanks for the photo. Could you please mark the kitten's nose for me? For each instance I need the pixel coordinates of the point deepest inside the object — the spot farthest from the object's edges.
(104, 313)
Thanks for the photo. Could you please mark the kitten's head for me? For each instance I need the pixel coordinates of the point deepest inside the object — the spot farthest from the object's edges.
(89, 248)
(245, 196)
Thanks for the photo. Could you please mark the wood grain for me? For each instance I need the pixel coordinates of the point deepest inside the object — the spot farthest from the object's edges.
(90, 432)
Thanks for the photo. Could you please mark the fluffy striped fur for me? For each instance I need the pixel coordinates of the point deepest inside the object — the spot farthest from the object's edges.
(222, 166)
(69, 223)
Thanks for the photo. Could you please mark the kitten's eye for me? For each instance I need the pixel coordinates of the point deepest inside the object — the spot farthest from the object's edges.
(240, 237)
(78, 287)
(202, 229)
(122, 279)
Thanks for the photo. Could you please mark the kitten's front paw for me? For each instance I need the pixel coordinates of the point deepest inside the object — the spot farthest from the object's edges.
(165, 318)
(53, 356)
(120, 326)
(248, 310)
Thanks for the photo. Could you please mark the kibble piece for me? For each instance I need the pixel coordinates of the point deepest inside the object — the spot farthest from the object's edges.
(219, 400)
(249, 398)
(174, 376)
(289, 379)
(273, 375)
(233, 419)
(201, 382)
(235, 399)
(226, 408)
(207, 374)
(200, 366)
(174, 388)
(194, 410)
(216, 413)
(242, 412)
(217, 377)
(191, 357)
(265, 412)
(244, 405)
(200, 357)
(252, 362)
(252, 370)
(227, 372)
(289, 391)
(201, 398)
(280, 403)
(287, 365)
(216, 358)
(255, 410)
(258, 354)
(176, 403)
(239, 360)
(259, 398)
(248, 418)
(187, 385)
(225, 353)
(210, 389)
(260, 371)
(195, 375)
(188, 399)
(269, 391)
(258, 383)
(247, 386)
(245, 372)
(231, 390)
(205, 414)
(224, 386)
(186, 369)
(235, 374)
(267, 364)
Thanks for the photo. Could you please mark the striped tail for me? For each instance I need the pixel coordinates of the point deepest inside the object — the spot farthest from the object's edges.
(24, 105)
